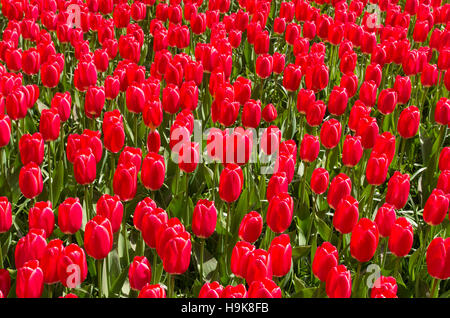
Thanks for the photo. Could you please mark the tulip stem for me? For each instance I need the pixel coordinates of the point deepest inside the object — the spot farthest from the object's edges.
(125, 238)
(202, 250)
(358, 273)
(313, 215)
(400, 154)
(433, 288)
(49, 167)
(385, 253)
(228, 233)
(136, 130)
(1, 251)
(99, 277)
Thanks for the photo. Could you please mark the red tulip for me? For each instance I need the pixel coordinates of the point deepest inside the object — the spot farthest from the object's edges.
(140, 273)
(265, 288)
(264, 65)
(436, 207)
(240, 258)
(364, 240)
(346, 215)
(442, 111)
(125, 181)
(281, 251)
(113, 131)
(292, 77)
(237, 291)
(5, 130)
(385, 219)
(309, 148)
(325, 258)
(377, 169)
(72, 267)
(438, 258)
(41, 217)
(278, 183)
(50, 261)
(259, 266)
(403, 87)
(70, 214)
(251, 227)
(29, 247)
(85, 166)
(337, 102)
(330, 133)
(49, 125)
(176, 253)
(30, 280)
(408, 122)
(111, 207)
(368, 93)
(231, 182)
(352, 151)
(5, 282)
(211, 290)
(320, 180)
(94, 101)
(398, 190)
(30, 180)
(270, 140)
(152, 291)
(387, 100)
(5, 215)
(339, 282)
(384, 287)
(98, 237)
(153, 171)
(280, 212)
(204, 218)
(401, 238)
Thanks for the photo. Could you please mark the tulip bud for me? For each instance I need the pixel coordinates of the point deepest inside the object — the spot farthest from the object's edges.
(259, 266)
(176, 253)
(364, 240)
(403, 87)
(337, 102)
(408, 122)
(49, 125)
(152, 291)
(352, 151)
(444, 159)
(5, 282)
(442, 111)
(113, 131)
(387, 100)
(211, 290)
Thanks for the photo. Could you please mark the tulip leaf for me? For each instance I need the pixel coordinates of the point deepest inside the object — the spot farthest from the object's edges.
(300, 251)
(117, 284)
(323, 228)
(58, 182)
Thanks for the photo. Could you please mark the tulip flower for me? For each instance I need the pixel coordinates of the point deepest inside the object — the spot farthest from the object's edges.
(41, 217)
(401, 238)
(98, 237)
(30, 180)
(438, 258)
(111, 208)
(436, 207)
(398, 190)
(211, 290)
(152, 291)
(5, 215)
(251, 227)
(385, 219)
(346, 215)
(281, 250)
(5, 130)
(339, 282)
(139, 273)
(231, 182)
(340, 187)
(364, 240)
(125, 181)
(325, 258)
(265, 288)
(50, 261)
(384, 287)
(30, 280)
(280, 212)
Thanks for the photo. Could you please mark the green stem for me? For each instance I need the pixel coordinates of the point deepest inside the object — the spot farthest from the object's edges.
(1, 251)
(99, 277)
(136, 130)
(357, 278)
(49, 167)
(202, 249)
(313, 215)
(385, 252)
(369, 205)
(433, 289)
(125, 238)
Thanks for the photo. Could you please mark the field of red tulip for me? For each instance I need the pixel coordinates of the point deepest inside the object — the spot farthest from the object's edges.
(224, 149)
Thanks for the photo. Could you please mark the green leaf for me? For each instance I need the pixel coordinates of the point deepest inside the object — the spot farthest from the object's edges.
(300, 251)
(322, 228)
